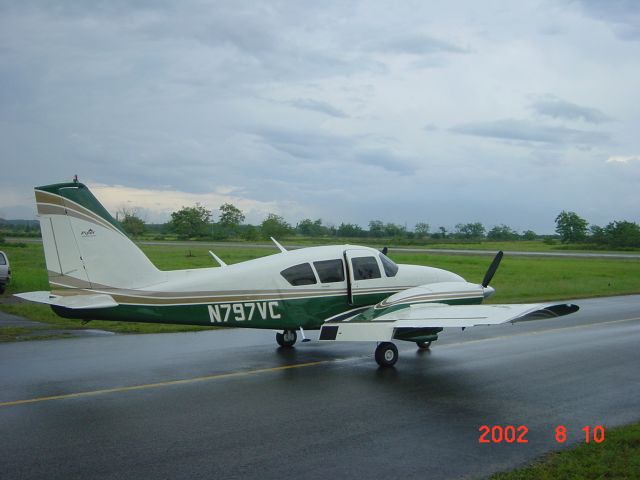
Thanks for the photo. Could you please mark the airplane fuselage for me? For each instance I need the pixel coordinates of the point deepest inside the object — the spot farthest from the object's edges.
(288, 290)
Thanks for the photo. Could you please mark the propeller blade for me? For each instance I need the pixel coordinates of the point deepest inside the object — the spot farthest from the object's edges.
(492, 269)
(384, 250)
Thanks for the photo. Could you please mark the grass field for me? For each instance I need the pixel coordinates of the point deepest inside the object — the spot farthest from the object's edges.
(618, 457)
(519, 279)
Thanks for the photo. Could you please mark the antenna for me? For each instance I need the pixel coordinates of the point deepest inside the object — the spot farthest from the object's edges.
(217, 259)
(282, 249)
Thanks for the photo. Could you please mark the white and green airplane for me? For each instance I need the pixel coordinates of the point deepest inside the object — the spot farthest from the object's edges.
(349, 293)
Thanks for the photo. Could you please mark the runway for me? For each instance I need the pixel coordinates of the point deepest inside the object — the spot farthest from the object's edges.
(229, 404)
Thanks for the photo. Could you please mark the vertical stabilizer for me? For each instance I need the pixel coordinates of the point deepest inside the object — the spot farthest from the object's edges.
(84, 246)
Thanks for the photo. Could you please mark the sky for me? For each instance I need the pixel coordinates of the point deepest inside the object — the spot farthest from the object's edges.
(438, 112)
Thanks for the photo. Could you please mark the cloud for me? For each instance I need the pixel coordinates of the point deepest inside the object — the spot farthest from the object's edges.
(317, 106)
(561, 109)
(325, 148)
(526, 131)
(157, 204)
(414, 44)
(623, 158)
(386, 161)
(623, 14)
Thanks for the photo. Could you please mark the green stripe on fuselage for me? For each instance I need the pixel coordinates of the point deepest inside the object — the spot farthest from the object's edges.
(277, 314)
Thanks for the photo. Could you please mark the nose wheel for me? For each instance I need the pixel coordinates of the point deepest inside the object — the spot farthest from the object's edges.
(287, 338)
(386, 354)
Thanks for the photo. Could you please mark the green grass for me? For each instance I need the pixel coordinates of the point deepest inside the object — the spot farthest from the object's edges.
(519, 279)
(618, 457)
(523, 279)
(17, 334)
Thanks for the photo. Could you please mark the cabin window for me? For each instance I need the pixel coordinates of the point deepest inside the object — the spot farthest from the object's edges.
(365, 268)
(390, 268)
(299, 275)
(3, 261)
(330, 270)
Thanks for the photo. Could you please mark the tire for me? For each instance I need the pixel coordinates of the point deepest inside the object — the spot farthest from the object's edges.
(2, 287)
(423, 345)
(287, 338)
(386, 354)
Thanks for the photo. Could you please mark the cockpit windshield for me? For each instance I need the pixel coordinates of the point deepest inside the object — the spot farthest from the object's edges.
(390, 268)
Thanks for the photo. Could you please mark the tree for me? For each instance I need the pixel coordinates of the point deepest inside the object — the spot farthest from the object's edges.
(502, 232)
(376, 228)
(230, 216)
(311, 228)
(131, 221)
(470, 230)
(529, 235)
(442, 234)
(249, 232)
(571, 227)
(622, 234)
(190, 221)
(393, 230)
(275, 226)
(421, 230)
(598, 235)
(350, 230)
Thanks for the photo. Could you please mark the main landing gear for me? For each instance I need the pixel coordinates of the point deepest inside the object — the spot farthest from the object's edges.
(386, 354)
(287, 338)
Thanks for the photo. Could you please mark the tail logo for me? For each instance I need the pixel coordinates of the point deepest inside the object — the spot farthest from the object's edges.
(88, 233)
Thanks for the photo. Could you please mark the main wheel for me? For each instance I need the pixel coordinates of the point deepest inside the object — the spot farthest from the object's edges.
(287, 338)
(423, 345)
(386, 354)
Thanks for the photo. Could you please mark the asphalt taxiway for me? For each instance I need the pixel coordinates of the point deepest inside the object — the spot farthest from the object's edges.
(229, 404)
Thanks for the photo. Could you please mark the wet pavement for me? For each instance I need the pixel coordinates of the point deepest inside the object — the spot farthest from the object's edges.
(229, 404)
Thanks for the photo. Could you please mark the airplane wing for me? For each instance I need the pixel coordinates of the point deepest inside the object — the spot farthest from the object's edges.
(381, 323)
(98, 300)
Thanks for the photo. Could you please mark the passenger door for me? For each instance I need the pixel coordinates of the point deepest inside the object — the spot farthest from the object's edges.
(366, 281)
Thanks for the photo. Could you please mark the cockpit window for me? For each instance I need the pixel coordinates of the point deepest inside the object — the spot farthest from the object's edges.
(365, 268)
(299, 275)
(390, 268)
(3, 261)
(330, 270)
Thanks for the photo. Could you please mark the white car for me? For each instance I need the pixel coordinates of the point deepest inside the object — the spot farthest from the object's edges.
(5, 271)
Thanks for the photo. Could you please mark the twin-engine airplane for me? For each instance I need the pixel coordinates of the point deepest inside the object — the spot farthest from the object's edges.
(349, 293)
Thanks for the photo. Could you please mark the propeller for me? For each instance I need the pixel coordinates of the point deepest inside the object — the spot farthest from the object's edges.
(492, 269)
(384, 250)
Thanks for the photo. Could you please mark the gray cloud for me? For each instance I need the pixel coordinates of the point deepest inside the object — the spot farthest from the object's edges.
(196, 95)
(414, 44)
(386, 161)
(323, 148)
(525, 131)
(317, 106)
(557, 108)
(623, 14)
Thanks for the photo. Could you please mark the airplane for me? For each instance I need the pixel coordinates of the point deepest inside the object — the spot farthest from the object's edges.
(348, 292)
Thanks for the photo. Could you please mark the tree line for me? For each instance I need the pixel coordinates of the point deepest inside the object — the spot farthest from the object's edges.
(196, 222)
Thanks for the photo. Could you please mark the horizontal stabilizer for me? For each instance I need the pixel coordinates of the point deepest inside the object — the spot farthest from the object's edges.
(98, 300)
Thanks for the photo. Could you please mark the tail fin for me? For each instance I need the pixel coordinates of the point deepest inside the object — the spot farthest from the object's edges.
(84, 246)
